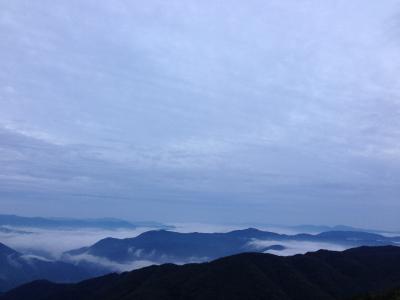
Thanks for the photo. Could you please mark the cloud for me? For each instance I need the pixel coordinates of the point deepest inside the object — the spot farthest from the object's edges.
(257, 110)
(295, 247)
(11, 259)
(30, 258)
(108, 264)
(52, 243)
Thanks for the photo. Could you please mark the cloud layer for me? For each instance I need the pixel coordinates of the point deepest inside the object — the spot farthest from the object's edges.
(207, 111)
(52, 243)
(295, 247)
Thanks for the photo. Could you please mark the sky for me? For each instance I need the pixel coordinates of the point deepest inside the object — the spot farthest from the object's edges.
(282, 112)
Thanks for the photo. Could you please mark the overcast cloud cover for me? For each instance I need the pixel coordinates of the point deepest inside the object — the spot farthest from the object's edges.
(270, 111)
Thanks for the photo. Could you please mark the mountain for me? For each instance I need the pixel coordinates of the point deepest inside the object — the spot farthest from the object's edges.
(4, 229)
(39, 222)
(167, 246)
(161, 246)
(17, 268)
(322, 275)
(54, 223)
(393, 294)
(323, 228)
(354, 236)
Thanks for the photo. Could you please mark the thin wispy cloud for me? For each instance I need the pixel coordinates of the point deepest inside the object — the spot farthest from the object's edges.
(295, 247)
(108, 264)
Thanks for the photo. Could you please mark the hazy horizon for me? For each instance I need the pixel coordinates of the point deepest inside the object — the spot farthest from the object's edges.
(218, 112)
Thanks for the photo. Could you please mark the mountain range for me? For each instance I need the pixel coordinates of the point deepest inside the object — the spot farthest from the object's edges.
(161, 246)
(323, 228)
(53, 223)
(322, 275)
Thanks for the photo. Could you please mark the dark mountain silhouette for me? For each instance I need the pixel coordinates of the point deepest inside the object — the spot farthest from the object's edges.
(322, 275)
(163, 246)
(17, 268)
(393, 294)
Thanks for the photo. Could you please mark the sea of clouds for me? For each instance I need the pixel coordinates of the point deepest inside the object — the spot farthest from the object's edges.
(52, 243)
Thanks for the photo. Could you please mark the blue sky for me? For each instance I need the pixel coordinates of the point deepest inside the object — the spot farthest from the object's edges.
(213, 111)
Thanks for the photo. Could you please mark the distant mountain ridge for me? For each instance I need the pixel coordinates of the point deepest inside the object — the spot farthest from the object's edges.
(161, 246)
(53, 223)
(322, 275)
(323, 228)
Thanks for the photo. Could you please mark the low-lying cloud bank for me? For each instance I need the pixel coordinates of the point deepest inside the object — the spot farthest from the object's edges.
(53, 242)
(50, 244)
(295, 247)
(108, 264)
(127, 266)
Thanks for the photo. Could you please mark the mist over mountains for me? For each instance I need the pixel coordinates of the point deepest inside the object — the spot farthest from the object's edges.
(17, 268)
(124, 249)
(41, 236)
(167, 246)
